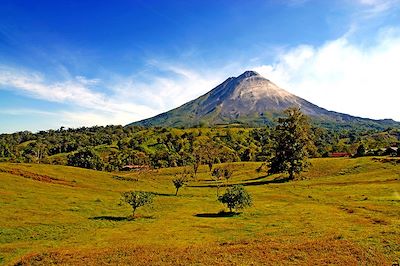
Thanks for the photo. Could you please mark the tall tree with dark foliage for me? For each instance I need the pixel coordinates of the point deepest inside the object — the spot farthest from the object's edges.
(291, 142)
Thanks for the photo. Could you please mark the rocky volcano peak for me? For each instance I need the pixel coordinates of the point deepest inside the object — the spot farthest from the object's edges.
(248, 73)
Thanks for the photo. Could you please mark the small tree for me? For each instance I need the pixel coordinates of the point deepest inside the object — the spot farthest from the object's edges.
(217, 174)
(137, 199)
(204, 151)
(227, 173)
(180, 180)
(196, 163)
(236, 197)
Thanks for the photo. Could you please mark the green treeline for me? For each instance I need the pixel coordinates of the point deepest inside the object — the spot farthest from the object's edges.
(113, 147)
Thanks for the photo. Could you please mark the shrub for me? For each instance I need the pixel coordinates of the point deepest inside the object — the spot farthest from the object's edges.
(236, 197)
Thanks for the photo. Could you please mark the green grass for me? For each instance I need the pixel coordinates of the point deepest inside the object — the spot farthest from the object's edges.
(343, 211)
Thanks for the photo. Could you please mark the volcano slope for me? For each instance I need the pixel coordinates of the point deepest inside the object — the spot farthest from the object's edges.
(343, 211)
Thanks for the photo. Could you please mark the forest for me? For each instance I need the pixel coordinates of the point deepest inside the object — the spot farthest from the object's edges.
(112, 148)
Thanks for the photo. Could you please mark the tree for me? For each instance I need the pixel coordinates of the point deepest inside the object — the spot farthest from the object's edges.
(221, 172)
(196, 163)
(227, 173)
(137, 199)
(180, 180)
(236, 197)
(204, 151)
(291, 142)
(218, 173)
(86, 158)
(360, 151)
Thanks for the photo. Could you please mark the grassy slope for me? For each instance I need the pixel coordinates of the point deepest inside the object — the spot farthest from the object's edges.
(346, 210)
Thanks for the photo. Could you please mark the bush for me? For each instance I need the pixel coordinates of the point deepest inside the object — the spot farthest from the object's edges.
(236, 197)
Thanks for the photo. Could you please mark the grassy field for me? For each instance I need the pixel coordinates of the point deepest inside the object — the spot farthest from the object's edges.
(344, 211)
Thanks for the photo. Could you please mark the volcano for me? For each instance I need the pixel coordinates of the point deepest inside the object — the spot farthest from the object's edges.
(252, 100)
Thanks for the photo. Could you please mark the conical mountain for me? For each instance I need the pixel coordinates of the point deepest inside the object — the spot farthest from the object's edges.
(250, 100)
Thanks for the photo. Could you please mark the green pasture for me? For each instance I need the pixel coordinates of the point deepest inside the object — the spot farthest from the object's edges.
(48, 209)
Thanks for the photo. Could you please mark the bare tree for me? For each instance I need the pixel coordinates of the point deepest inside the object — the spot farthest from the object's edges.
(180, 180)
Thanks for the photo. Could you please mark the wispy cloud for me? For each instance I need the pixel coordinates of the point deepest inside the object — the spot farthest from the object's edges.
(77, 93)
(116, 100)
(24, 111)
(373, 8)
(343, 76)
(177, 85)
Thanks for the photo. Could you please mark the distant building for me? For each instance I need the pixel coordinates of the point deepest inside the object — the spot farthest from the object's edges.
(135, 167)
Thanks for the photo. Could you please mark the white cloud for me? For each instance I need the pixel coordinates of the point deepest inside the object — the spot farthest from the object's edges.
(181, 84)
(343, 76)
(127, 99)
(376, 3)
(79, 94)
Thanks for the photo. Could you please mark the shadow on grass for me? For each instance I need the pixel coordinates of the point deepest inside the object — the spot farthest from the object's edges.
(277, 180)
(217, 215)
(257, 178)
(122, 218)
(164, 194)
(110, 218)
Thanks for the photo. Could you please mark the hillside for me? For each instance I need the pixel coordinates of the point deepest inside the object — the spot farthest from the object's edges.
(344, 212)
(252, 100)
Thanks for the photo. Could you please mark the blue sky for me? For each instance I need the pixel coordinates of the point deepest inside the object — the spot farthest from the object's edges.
(84, 63)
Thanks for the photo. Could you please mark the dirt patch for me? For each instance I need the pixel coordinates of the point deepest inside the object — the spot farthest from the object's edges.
(379, 221)
(348, 210)
(37, 177)
(125, 178)
(331, 251)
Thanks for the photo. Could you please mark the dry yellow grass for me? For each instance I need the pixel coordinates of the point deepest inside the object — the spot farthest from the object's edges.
(329, 251)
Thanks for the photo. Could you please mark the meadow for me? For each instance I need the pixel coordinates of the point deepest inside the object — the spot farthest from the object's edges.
(341, 211)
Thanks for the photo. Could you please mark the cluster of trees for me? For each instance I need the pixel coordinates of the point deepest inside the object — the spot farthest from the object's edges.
(235, 197)
(113, 147)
